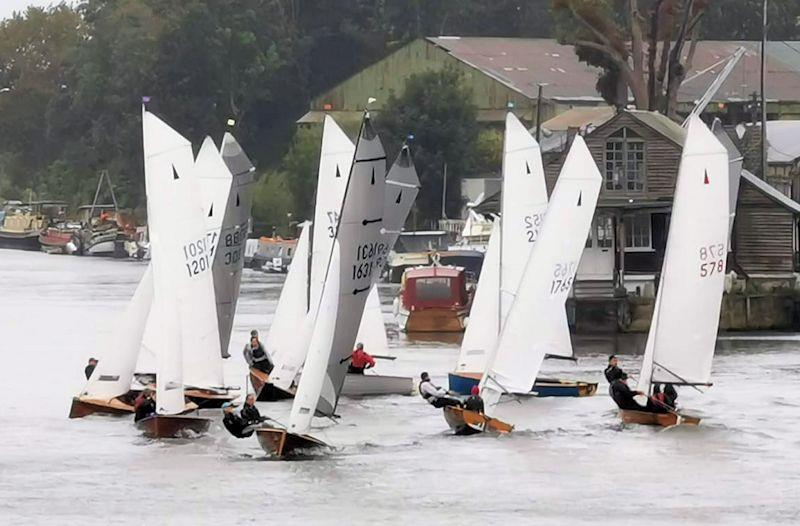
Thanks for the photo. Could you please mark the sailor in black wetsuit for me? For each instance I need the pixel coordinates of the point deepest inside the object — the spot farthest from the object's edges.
(235, 425)
(474, 402)
(623, 395)
(90, 367)
(613, 372)
(144, 405)
(250, 413)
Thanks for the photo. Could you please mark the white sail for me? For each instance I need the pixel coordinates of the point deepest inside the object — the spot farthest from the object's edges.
(336, 157)
(284, 341)
(372, 332)
(228, 259)
(214, 181)
(532, 328)
(319, 350)
(114, 371)
(168, 164)
(483, 328)
(683, 333)
(363, 252)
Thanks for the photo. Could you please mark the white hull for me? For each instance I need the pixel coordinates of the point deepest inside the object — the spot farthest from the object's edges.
(104, 248)
(356, 385)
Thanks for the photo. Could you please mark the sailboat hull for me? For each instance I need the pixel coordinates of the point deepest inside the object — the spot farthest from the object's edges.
(206, 399)
(657, 419)
(281, 443)
(173, 426)
(264, 390)
(465, 423)
(88, 406)
(462, 383)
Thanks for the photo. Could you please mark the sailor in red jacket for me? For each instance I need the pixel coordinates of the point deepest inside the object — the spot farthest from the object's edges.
(360, 360)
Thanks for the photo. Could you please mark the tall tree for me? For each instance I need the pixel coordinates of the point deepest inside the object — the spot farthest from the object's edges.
(641, 45)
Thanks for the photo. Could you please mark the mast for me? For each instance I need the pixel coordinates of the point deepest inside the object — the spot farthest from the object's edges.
(763, 92)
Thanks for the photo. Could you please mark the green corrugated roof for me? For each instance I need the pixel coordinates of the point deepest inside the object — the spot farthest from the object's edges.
(661, 124)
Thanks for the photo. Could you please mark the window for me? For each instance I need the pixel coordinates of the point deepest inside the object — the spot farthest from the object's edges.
(433, 289)
(638, 233)
(625, 162)
(605, 231)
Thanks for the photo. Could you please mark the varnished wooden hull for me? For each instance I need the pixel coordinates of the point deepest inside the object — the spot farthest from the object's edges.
(657, 419)
(281, 443)
(434, 320)
(87, 406)
(464, 422)
(173, 426)
(266, 391)
(209, 399)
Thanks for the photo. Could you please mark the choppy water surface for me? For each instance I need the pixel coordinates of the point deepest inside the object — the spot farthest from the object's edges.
(395, 462)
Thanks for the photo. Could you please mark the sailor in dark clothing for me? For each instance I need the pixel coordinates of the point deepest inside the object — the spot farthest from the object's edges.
(664, 395)
(613, 372)
(90, 368)
(250, 413)
(434, 395)
(144, 405)
(235, 424)
(474, 402)
(623, 395)
(256, 356)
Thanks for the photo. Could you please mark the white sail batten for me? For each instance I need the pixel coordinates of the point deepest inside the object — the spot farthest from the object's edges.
(228, 259)
(532, 328)
(336, 158)
(483, 328)
(285, 342)
(372, 332)
(214, 181)
(114, 372)
(363, 252)
(319, 350)
(683, 333)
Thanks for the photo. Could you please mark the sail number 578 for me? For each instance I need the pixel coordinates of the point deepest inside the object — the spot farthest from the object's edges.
(712, 259)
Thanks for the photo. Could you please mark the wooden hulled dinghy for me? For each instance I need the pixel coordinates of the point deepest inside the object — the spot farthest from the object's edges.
(464, 422)
(657, 419)
(545, 387)
(210, 398)
(281, 443)
(85, 406)
(173, 426)
(265, 390)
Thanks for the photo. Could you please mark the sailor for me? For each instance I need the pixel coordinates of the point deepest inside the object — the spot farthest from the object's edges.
(360, 360)
(90, 368)
(664, 395)
(256, 356)
(144, 405)
(623, 395)
(434, 395)
(474, 402)
(250, 413)
(613, 372)
(234, 423)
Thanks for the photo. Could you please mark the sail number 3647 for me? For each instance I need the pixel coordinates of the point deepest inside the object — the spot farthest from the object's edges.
(712, 259)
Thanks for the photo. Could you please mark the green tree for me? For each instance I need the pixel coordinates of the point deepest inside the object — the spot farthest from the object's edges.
(300, 165)
(273, 204)
(436, 108)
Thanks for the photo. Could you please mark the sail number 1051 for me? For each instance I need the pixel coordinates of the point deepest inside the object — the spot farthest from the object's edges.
(712, 259)
(196, 257)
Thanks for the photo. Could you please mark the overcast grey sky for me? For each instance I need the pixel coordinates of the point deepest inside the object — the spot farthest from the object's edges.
(9, 6)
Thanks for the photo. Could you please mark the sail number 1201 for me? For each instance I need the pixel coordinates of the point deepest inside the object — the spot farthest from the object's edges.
(196, 256)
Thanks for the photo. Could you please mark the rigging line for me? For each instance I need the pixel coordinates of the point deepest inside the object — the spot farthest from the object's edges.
(505, 391)
(676, 376)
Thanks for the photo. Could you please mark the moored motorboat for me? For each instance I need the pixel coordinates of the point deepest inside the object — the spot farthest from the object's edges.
(464, 422)
(173, 426)
(433, 299)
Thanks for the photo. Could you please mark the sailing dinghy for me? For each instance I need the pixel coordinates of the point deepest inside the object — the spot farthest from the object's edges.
(303, 280)
(357, 253)
(533, 327)
(523, 207)
(683, 333)
(183, 291)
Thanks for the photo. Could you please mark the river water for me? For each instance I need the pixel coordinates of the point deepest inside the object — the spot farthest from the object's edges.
(395, 463)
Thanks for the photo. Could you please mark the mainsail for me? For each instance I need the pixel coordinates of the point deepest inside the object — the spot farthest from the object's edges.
(228, 260)
(214, 181)
(680, 345)
(363, 252)
(533, 325)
